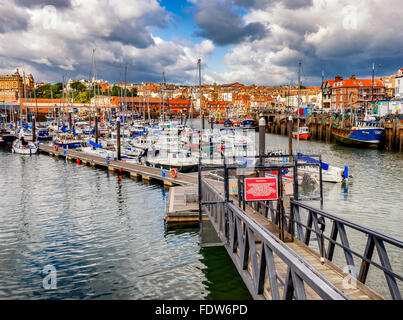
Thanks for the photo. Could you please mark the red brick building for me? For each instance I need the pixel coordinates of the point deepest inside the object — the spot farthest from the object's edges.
(356, 92)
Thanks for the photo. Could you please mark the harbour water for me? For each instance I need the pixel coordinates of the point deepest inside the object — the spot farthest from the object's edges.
(104, 236)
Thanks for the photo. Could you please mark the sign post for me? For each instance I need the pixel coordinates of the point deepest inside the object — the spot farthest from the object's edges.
(257, 189)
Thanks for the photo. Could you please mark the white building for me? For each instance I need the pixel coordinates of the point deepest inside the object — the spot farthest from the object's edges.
(226, 96)
(399, 84)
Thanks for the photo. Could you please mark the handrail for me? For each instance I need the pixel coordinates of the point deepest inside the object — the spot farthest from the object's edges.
(376, 240)
(299, 271)
(388, 238)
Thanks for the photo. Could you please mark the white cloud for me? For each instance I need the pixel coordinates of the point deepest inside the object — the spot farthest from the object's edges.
(335, 35)
(56, 41)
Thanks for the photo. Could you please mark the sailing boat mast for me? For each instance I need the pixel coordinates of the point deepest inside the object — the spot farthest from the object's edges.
(125, 94)
(163, 94)
(25, 99)
(200, 92)
(200, 106)
(299, 97)
(372, 84)
(95, 80)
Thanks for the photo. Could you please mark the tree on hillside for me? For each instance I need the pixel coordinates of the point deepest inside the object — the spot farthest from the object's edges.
(78, 86)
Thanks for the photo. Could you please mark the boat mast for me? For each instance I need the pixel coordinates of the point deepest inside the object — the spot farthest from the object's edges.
(163, 94)
(299, 94)
(372, 84)
(323, 80)
(89, 97)
(200, 106)
(95, 80)
(25, 99)
(148, 105)
(125, 94)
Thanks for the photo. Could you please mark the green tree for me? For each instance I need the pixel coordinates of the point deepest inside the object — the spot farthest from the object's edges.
(116, 91)
(78, 86)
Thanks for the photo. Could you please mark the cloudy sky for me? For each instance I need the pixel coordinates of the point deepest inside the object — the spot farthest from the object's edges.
(249, 41)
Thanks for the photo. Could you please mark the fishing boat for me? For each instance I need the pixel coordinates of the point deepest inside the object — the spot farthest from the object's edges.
(21, 146)
(303, 134)
(362, 133)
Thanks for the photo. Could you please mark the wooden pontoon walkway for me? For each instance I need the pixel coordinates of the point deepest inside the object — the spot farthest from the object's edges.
(147, 173)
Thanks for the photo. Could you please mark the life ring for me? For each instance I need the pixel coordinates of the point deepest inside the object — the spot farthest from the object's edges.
(174, 172)
(56, 148)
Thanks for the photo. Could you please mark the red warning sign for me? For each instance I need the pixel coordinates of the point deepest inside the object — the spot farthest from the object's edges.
(261, 189)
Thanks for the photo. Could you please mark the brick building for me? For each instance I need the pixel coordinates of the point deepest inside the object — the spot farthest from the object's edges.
(356, 92)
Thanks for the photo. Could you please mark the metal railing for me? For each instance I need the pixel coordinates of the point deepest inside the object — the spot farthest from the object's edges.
(303, 222)
(257, 253)
(315, 223)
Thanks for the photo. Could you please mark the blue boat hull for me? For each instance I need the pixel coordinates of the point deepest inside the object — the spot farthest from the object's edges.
(71, 145)
(359, 137)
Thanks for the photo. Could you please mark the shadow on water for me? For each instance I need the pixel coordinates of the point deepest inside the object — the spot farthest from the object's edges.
(222, 278)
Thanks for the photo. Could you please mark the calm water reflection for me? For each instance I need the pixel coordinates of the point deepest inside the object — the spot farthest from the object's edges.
(105, 237)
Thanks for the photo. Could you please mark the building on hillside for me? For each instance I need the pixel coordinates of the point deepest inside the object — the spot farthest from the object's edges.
(12, 87)
(40, 84)
(100, 101)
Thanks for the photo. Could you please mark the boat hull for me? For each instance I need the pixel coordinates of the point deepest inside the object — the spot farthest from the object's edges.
(302, 136)
(6, 141)
(70, 145)
(370, 137)
(182, 169)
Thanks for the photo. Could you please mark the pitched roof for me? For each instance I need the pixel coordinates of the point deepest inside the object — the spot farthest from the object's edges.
(350, 83)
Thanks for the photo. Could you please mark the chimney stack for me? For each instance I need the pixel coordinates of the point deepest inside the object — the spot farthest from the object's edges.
(338, 78)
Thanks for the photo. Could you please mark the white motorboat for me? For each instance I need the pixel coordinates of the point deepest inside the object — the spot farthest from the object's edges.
(97, 150)
(179, 159)
(24, 147)
(329, 173)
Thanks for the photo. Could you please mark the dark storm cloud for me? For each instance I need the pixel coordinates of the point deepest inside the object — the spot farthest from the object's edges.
(219, 23)
(12, 19)
(42, 3)
(131, 36)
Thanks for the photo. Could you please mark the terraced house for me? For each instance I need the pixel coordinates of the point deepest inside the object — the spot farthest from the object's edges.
(355, 92)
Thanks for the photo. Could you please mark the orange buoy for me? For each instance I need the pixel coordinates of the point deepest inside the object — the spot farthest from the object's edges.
(56, 148)
(174, 172)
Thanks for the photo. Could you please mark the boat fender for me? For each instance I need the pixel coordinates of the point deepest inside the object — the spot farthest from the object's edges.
(345, 172)
(174, 172)
(55, 147)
